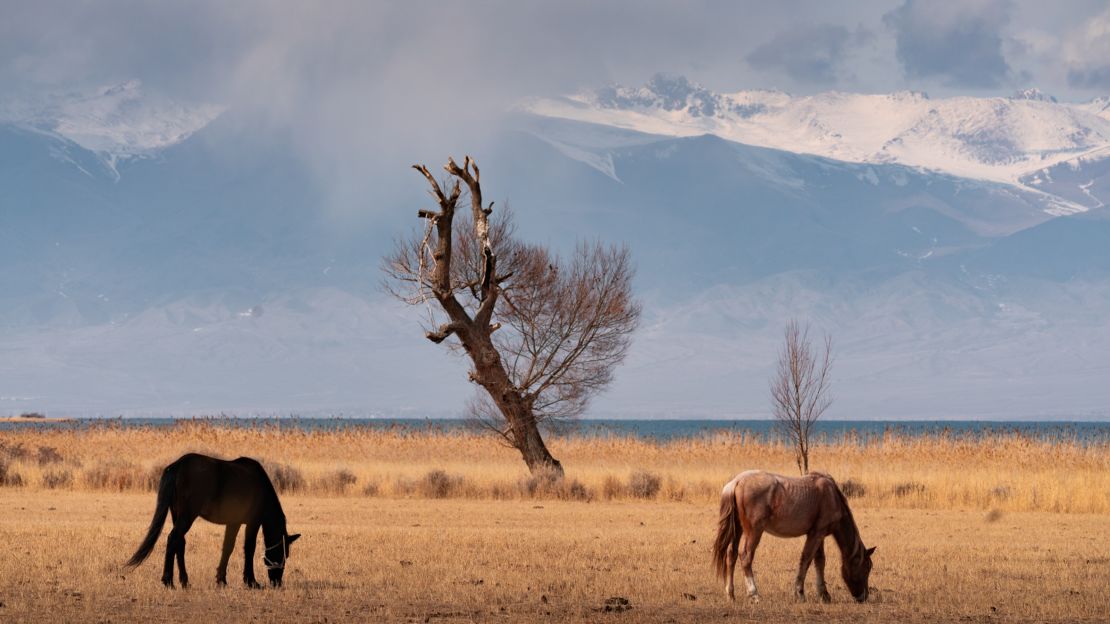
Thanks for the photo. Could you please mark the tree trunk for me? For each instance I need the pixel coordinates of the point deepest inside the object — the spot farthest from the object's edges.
(525, 433)
(533, 450)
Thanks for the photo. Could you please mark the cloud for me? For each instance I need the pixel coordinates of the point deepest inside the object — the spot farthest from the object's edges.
(1087, 54)
(811, 55)
(367, 87)
(961, 43)
(363, 87)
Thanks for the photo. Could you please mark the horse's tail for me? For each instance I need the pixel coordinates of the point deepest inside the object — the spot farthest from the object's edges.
(166, 489)
(728, 529)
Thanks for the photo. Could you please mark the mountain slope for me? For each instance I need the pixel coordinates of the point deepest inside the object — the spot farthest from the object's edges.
(117, 122)
(213, 274)
(996, 139)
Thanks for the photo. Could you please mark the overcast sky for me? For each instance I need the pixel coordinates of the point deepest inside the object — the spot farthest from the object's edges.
(294, 50)
(357, 78)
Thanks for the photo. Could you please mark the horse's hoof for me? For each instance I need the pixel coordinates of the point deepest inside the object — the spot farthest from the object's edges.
(754, 598)
(253, 585)
(221, 582)
(825, 598)
(800, 597)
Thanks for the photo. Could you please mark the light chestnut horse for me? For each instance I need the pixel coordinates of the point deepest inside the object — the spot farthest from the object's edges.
(813, 506)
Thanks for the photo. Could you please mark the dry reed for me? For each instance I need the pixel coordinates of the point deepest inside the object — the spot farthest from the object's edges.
(1005, 471)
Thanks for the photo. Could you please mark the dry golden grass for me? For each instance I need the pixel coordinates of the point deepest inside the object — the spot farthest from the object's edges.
(1004, 472)
(407, 526)
(420, 560)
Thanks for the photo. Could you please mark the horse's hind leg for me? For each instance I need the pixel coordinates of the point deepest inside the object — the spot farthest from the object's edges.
(167, 569)
(730, 572)
(181, 528)
(171, 550)
(747, 555)
(819, 565)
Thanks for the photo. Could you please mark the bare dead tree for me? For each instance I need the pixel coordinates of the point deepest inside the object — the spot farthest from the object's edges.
(800, 388)
(543, 333)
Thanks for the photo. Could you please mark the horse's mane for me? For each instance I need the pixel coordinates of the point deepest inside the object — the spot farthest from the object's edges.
(848, 521)
(839, 494)
(270, 490)
(843, 500)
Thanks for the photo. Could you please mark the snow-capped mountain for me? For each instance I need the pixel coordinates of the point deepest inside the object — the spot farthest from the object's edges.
(168, 258)
(997, 139)
(116, 122)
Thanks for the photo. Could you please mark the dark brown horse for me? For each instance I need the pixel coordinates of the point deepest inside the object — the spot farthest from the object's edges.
(813, 506)
(231, 493)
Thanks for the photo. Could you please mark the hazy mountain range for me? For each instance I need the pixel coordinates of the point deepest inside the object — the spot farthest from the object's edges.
(171, 258)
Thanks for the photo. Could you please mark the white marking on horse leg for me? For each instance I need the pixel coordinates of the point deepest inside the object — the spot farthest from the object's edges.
(750, 580)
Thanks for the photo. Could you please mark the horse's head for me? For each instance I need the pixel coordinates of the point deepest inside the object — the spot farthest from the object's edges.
(275, 557)
(856, 572)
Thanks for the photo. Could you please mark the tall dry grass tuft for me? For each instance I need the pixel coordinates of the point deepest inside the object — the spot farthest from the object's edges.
(612, 487)
(643, 484)
(908, 488)
(286, 478)
(48, 455)
(8, 476)
(336, 482)
(57, 479)
(121, 475)
(438, 484)
(852, 488)
(551, 485)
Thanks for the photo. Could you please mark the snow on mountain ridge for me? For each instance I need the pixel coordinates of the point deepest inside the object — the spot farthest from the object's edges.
(117, 122)
(997, 139)
(1033, 93)
(1099, 106)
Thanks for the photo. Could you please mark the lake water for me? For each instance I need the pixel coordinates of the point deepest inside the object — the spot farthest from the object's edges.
(659, 430)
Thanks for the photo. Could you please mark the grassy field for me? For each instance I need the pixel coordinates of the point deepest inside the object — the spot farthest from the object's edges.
(377, 559)
(427, 527)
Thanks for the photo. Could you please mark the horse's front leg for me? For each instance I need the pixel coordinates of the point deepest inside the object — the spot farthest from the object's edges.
(809, 551)
(819, 565)
(250, 542)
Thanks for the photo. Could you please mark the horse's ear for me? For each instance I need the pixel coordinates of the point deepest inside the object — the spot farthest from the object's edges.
(293, 538)
(871, 551)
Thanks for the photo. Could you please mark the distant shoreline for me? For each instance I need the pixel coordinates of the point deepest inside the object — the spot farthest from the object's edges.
(1100, 419)
(660, 430)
